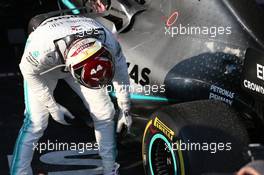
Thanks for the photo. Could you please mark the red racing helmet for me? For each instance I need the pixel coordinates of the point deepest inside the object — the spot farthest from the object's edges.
(90, 63)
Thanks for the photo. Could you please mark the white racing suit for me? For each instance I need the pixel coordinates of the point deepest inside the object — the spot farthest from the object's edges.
(40, 55)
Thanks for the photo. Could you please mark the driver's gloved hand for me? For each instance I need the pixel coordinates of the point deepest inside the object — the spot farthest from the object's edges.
(124, 120)
(60, 114)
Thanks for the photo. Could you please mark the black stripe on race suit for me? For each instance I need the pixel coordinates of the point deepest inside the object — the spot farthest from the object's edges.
(32, 60)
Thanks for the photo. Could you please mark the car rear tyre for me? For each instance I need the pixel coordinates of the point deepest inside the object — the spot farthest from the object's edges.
(201, 123)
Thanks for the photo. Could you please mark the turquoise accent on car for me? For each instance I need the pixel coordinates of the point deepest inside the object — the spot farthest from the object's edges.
(144, 97)
(147, 97)
(153, 139)
(71, 6)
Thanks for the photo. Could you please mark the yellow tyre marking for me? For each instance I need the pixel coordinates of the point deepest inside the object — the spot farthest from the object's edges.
(143, 139)
(181, 161)
(179, 151)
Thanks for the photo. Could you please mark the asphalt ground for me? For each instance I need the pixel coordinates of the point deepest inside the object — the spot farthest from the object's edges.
(54, 162)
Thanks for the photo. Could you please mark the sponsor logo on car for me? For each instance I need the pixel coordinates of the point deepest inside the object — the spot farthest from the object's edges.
(218, 93)
(253, 73)
(163, 128)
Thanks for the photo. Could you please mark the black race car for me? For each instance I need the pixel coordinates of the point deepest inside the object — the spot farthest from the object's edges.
(197, 80)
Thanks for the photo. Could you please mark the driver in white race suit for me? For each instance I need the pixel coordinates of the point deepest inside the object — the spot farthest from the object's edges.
(92, 58)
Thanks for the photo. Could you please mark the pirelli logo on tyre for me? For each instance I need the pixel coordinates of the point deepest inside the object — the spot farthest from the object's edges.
(163, 128)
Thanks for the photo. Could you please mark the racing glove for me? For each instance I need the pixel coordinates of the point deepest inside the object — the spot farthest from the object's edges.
(60, 114)
(124, 119)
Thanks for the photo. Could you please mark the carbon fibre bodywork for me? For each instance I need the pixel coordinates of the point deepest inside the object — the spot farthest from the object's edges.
(190, 64)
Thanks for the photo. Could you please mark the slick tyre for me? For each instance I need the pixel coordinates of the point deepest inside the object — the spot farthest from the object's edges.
(193, 138)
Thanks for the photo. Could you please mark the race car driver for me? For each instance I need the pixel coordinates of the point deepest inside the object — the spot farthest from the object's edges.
(91, 58)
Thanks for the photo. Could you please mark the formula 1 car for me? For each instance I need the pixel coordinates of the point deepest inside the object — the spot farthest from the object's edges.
(197, 72)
